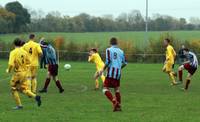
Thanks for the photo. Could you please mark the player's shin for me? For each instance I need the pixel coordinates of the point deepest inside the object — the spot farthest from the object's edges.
(96, 84)
(172, 77)
(180, 74)
(118, 96)
(47, 83)
(34, 85)
(58, 84)
(16, 97)
(103, 78)
(109, 95)
(187, 83)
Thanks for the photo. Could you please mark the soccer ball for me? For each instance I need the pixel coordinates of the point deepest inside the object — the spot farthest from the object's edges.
(67, 66)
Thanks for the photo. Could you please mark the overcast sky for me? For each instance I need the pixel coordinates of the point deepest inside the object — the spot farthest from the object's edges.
(176, 8)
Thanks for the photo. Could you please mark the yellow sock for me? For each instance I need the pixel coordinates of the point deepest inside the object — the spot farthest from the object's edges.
(103, 78)
(34, 85)
(171, 75)
(17, 98)
(29, 93)
(96, 83)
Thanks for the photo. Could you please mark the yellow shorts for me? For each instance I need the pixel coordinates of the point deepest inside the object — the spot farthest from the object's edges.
(33, 71)
(19, 81)
(168, 67)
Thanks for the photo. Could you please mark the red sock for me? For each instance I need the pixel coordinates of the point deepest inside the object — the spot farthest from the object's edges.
(180, 74)
(47, 83)
(109, 96)
(59, 85)
(118, 97)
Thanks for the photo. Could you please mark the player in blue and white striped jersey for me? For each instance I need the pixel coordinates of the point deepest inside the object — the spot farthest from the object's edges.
(51, 60)
(191, 65)
(115, 61)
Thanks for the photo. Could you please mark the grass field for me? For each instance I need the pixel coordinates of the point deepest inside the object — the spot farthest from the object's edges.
(103, 37)
(146, 97)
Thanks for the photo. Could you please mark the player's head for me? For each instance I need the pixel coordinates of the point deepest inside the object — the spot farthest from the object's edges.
(22, 43)
(167, 41)
(17, 42)
(113, 41)
(31, 36)
(183, 46)
(186, 51)
(92, 51)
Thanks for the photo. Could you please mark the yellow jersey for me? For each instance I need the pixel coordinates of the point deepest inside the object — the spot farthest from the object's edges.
(170, 54)
(34, 51)
(19, 60)
(95, 58)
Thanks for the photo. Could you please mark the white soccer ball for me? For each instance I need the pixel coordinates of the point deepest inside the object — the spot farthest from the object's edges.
(67, 66)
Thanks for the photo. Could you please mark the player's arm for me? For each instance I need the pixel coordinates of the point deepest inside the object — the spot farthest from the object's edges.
(10, 63)
(90, 58)
(124, 61)
(39, 50)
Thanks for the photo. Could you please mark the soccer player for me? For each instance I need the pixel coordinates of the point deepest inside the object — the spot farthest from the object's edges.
(51, 60)
(18, 62)
(94, 57)
(115, 62)
(191, 65)
(169, 61)
(34, 51)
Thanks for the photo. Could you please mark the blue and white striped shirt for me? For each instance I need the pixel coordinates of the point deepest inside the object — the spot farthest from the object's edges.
(50, 57)
(115, 58)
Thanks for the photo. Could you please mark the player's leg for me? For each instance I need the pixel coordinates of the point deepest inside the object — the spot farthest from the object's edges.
(103, 78)
(26, 91)
(171, 74)
(180, 73)
(96, 81)
(46, 84)
(58, 84)
(34, 79)
(13, 84)
(117, 106)
(187, 82)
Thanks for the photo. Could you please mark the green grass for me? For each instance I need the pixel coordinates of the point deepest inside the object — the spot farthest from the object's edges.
(103, 37)
(146, 97)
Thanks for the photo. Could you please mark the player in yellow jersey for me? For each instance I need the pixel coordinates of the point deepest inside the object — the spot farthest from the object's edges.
(18, 62)
(94, 57)
(169, 61)
(34, 51)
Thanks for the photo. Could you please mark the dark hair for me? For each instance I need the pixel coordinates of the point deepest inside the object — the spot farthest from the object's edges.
(31, 36)
(22, 43)
(186, 49)
(45, 43)
(17, 42)
(113, 41)
(94, 50)
(168, 40)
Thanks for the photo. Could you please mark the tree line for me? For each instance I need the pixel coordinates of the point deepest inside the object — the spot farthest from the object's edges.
(15, 18)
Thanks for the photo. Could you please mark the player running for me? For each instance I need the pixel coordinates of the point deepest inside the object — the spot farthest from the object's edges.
(115, 62)
(18, 62)
(34, 51)
(94, 57)
(52, 63)
(191, 65)
(169, 61)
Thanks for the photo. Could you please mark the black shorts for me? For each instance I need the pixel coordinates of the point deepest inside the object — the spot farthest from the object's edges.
(53, 69)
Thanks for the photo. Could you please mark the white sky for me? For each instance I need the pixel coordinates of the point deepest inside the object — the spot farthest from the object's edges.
(176, 8)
